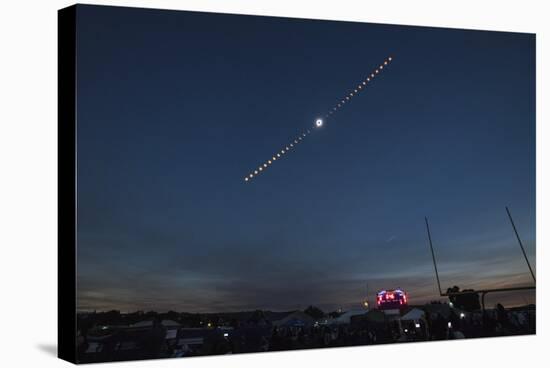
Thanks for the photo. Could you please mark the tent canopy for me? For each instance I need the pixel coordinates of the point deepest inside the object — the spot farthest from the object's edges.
(346, 317)
(294, 319)
(413, 315)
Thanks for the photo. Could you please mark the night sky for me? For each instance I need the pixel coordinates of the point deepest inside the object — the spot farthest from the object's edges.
(175, 108)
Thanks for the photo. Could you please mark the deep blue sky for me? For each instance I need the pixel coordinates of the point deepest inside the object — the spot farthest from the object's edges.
(174, 108)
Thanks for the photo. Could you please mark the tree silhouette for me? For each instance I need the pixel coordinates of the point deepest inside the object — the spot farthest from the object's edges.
(468, 300)
(314, 312)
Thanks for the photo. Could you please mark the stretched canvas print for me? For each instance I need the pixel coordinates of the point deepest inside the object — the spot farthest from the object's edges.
(232, 184)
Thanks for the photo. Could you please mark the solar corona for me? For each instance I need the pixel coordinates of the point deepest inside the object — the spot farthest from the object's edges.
(320, 122)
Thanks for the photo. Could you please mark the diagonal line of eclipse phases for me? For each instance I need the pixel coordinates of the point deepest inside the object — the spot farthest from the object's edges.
(319, 122)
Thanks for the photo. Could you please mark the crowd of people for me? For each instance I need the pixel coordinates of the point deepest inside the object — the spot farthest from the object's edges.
(434, 326)
(260, 334)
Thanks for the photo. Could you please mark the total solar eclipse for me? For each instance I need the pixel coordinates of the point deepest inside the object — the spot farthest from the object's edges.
(319, 122)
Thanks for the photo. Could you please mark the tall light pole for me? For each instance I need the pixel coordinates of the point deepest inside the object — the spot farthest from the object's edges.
(521, 245)
(433, 256)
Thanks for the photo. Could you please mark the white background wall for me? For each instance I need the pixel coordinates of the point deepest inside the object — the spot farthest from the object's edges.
(28, 180)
